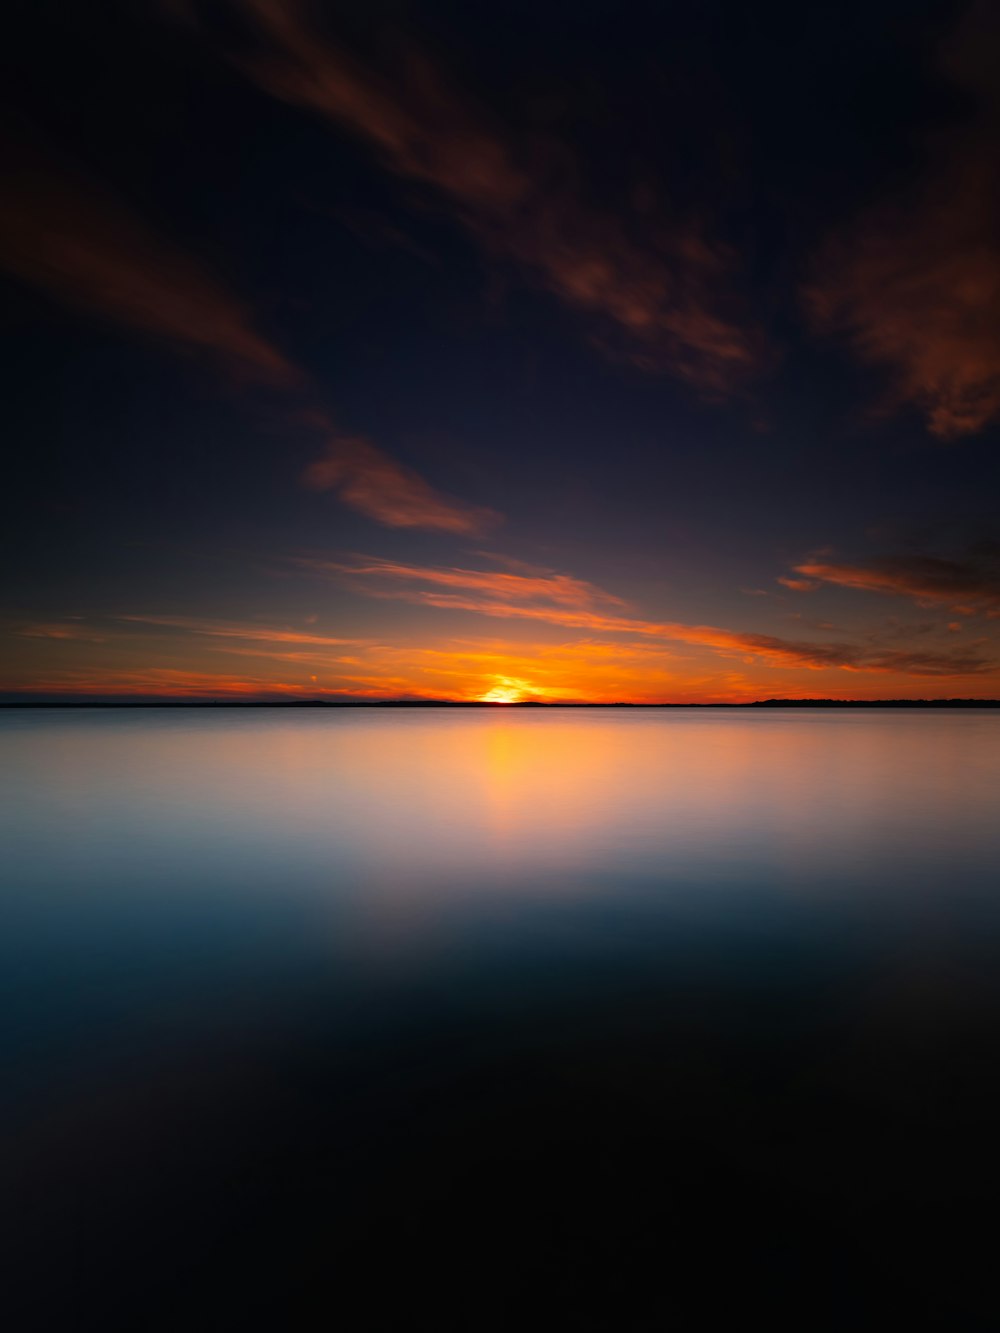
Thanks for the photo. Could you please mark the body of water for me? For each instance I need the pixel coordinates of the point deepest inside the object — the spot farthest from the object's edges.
(500, 1019)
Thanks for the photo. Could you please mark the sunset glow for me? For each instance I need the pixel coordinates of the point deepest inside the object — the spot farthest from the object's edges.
(505, 692)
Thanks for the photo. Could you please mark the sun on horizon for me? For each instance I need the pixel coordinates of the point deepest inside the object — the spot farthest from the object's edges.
(506, 691)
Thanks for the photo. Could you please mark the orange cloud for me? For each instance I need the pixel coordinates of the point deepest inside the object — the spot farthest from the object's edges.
(81, 245)
(386, 579)
(225, 629)
(666, 295)
(367, 479)
(61, 630)
(968, 585)
(914, 283)
(168, 682)
(544, 585)
(194, 659)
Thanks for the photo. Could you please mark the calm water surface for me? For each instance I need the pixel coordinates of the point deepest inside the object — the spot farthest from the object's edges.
(500, 1019)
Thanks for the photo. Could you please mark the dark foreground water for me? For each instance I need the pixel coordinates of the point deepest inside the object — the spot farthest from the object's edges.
(500, 1019)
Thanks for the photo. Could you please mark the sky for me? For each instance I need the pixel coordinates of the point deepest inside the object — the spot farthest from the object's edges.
(559, 352)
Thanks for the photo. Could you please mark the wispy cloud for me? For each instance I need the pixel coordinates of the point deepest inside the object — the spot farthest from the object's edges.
(914, 283)
(170, 682)
(80, 244)
(68, 631)
(226, 659)
(665, 290)
(970, 584)
(481, 595)
(83, 246)
(798, 585)
(228, 629)
(366, 478)
(542, 585)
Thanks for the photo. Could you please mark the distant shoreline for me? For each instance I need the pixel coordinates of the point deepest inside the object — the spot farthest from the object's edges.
(452, 703)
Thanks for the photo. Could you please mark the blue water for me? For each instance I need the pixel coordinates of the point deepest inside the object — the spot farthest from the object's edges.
(499, 1019)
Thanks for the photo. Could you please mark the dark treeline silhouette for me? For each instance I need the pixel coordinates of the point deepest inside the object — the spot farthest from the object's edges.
(477, 703)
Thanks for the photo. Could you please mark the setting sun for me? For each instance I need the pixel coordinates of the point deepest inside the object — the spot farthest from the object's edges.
(505, 691)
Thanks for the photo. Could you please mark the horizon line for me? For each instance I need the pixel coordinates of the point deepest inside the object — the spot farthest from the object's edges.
(779, 702)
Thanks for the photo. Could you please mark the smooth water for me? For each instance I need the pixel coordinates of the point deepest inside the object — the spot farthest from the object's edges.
(500, 1019)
